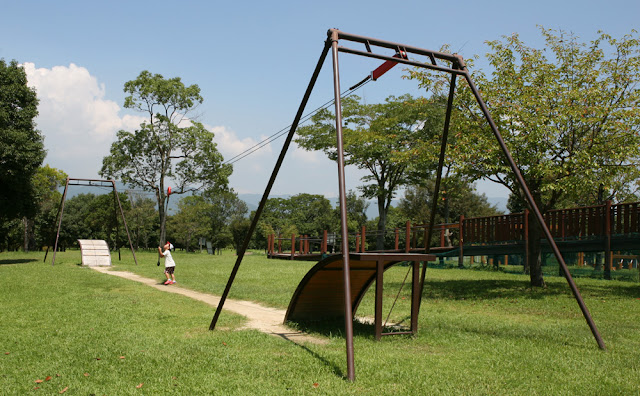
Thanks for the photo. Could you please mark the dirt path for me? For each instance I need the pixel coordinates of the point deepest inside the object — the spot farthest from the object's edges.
(265, 319)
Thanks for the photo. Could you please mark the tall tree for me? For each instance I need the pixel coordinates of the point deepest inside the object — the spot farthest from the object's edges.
(306, 214)
(105, 220)
(46, 182)
(458, 199)
(568, 113)
(168, 145)
(222, 207)
(74, 221)
(239, 229)
(310, 213)
(190, 223)
(356, 212)
(21, 144)
(379, 138)
(142, 220)
(275, 219)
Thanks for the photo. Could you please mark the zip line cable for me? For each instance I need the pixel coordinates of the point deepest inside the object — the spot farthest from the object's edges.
(286, 129)
(346, 93)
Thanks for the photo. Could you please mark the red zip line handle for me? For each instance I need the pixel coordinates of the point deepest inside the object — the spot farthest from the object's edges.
(381, 70)
(386, 66)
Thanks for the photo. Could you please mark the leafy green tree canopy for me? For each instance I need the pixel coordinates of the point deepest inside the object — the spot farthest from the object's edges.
(168, 145)
(21, 144)
(222, 208)
(458, 198)
(142, 220)
(568, 113)
(190, 222)
(45, 184)
(380, 138)
(307, 214)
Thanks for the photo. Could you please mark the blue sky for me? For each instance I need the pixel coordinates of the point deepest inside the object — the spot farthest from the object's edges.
(252, 61)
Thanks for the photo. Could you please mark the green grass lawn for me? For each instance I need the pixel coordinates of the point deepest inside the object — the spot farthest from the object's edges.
(480, 332)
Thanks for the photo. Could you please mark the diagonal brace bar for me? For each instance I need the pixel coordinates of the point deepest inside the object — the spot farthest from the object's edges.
(272, 180)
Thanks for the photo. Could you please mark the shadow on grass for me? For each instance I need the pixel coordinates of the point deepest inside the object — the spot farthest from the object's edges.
(489, 289)
(17, 261)
(334, 367)
(334, 328)
(610, 288)
(478, 289)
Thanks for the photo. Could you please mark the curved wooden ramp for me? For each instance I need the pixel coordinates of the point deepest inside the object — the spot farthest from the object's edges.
(95, 252)
(320, 294)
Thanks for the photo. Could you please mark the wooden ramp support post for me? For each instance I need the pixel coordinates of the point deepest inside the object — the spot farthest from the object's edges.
(320, 294)
(461, 242)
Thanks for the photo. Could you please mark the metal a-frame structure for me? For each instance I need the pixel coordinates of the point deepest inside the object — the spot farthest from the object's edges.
(117, 205)
(455, 66)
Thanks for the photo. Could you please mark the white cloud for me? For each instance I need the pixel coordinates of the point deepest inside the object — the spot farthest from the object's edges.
(230, 145)
(78, 122)
(310, 157)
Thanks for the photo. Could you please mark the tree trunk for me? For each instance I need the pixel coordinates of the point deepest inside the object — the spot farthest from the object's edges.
(162, 212)
(25, 223)
(382, 224)
(599, 256)
(447, 232)
(163, 222)
(535, 252)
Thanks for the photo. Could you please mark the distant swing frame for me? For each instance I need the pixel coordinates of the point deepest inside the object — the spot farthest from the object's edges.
(91, 183)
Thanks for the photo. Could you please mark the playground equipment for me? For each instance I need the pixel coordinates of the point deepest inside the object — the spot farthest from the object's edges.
(599, 228)
(320, 294)
(455, 66)
(116, 201)
(94, 252)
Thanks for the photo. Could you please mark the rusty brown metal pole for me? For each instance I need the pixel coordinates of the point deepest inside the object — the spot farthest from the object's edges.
(124, 221)
(272, 180)
(115, 215)
(434, 203)
(60, 211)
(607, 240)
(525, 225)
(324, 242)
(407, 237)
(461, 242)
(348, 315)
(391, 45)
(57, 214)
(534, 208)
(378, 303)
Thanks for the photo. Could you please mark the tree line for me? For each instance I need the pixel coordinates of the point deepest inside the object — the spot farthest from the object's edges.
(221, 219)
(569, 113)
